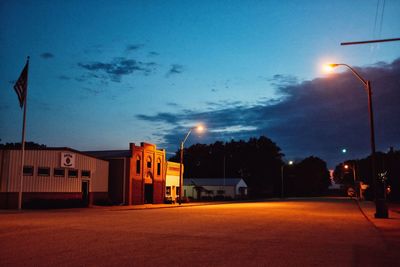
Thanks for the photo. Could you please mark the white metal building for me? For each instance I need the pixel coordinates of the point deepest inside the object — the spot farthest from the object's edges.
(52, 174)
(200, 188)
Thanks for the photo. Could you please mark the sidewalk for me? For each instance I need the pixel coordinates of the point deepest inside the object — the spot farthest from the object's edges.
(394, 207)
(389, 228)
(368, 208)
(155, 206)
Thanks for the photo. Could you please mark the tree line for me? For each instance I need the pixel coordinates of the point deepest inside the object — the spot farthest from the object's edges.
(259, 161)
(388, 168)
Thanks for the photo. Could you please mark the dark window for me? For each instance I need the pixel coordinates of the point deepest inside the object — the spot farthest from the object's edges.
(28, 170)
(149, 162)
(137, 165)
(177, 190)
(220, 192)
(43, 171)
(85, 174)
(72, 173)
(158, 167)
(59, 172)
(168, 190)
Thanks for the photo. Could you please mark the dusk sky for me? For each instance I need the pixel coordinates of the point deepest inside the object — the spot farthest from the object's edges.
(106, 73)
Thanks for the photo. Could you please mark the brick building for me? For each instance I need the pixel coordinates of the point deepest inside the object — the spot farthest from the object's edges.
(137, 175)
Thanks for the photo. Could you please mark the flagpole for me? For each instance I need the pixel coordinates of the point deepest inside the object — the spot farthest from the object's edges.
(23, 143)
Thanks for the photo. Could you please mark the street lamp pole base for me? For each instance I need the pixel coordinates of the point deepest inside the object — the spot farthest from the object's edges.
(381, 209)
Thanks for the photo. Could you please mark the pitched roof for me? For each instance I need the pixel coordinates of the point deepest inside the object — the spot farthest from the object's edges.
(212, 181)
(58, 149)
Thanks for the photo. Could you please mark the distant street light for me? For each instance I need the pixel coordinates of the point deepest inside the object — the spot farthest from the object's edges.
(353, 168)
(199, 128)
(282, 167)
(381, 210)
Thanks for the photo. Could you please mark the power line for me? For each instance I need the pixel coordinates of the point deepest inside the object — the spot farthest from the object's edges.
(371, 41)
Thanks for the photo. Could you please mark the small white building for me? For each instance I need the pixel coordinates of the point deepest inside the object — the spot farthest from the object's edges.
(172, 181)
(215, 188)
(51, 174)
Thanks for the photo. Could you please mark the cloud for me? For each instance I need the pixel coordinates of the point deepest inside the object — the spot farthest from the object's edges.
(161, 117)
(47, 55)
(134, 47)
(175, 69)
(64, 77)
(153, 54)
(118, 67)
(316, 117)
(93, 91)
(172, 104)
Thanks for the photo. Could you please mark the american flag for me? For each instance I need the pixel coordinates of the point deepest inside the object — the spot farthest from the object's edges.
(21, 85)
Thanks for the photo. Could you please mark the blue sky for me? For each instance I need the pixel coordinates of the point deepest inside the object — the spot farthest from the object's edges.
(106, 73)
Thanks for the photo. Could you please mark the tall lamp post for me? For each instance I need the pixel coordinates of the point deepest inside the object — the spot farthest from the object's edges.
(282, 167)
(199, 129)
(381, 210)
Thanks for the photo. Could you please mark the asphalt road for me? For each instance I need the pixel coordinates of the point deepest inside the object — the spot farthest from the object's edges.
(308, 232)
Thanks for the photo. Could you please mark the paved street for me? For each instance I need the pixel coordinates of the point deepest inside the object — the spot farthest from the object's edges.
(307, 232)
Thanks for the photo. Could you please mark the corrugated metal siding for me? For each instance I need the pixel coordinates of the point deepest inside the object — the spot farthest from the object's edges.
(99, 180)
(52, 159)
(3, 170)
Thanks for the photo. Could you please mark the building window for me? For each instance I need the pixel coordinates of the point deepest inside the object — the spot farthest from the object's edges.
(220, 192)
(28, 170)
(168, 190)
(85, 174)
(58, 172)
(158, 167)
(177, 190)
(43, 171)
(72, 173)
(148, 162)
(138, 165)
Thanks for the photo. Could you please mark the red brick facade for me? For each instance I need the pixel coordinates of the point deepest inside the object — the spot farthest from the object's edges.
(146, 177)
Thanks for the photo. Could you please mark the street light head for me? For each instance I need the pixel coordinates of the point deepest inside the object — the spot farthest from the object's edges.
(290, 162)
(329, 67)
(200, 128)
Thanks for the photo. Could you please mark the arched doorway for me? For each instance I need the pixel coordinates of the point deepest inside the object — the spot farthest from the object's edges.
(148, 188)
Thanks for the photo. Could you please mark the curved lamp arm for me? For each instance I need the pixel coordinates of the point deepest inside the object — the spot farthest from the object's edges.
(353, 71)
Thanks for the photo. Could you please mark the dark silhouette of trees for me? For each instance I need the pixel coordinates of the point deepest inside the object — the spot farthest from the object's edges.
(258, 161)
(310, 177)
(28, 145)
(388, 163)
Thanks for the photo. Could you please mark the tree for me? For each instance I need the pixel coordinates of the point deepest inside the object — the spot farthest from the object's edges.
(311, 178)
(388, 163)
(257, 161)
(28, 145)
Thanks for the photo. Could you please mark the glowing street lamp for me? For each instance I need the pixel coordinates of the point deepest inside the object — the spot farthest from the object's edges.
(381, 210)
(353, 168)
(290, 162)
(199, 129)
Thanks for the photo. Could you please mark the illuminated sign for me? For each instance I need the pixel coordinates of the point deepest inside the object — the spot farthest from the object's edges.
(67, 160)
